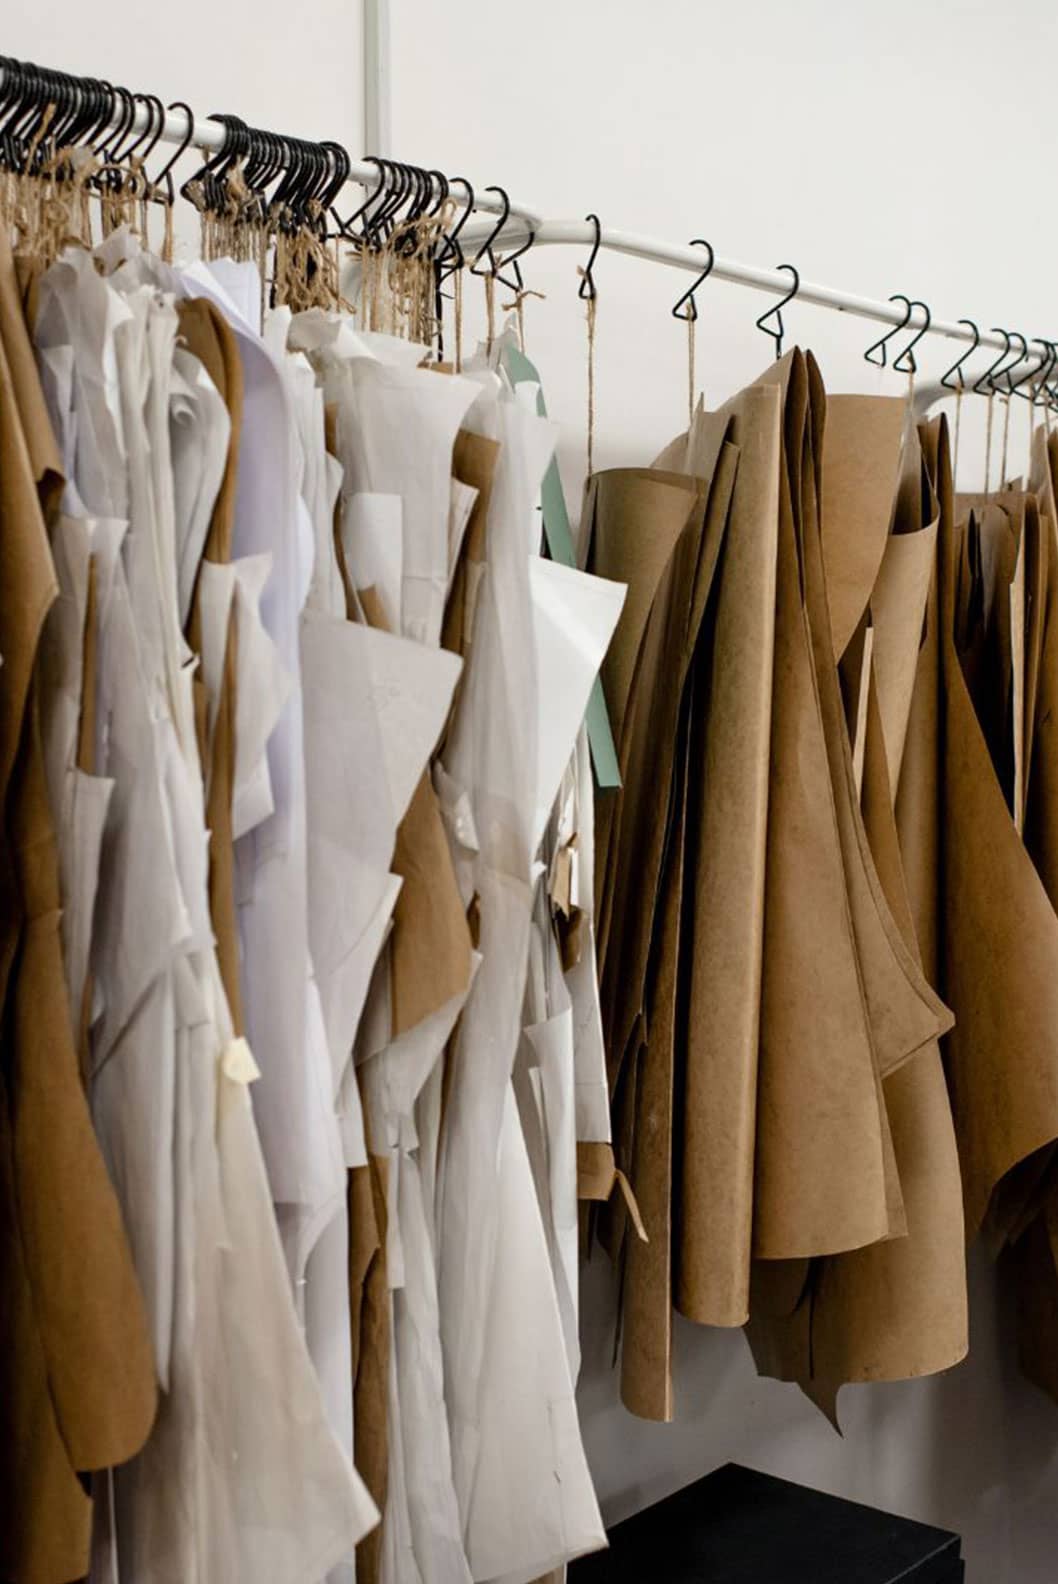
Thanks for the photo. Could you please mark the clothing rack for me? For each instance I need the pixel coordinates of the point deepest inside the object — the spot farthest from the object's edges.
(522, 221)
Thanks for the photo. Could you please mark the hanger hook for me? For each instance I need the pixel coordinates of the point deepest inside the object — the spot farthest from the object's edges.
(112, 136)
(432, 203)
(485, 251)
(988, 377)
(515, 283)
(345, 227)
(773, 316)
(587, 289)
(956, 368)
(339, 167)
(209, 177)
(453, 248)
(376, 200)
(1034, 375)
(905, 363)
(146, 134)
(880, 346)
(159, 109)
(65, 93)
(686, 307)
(1014, 385)
(1045, 370)
(166, 175)
(1046, 385)
(385, 200)
(422, 194)
(441, 179)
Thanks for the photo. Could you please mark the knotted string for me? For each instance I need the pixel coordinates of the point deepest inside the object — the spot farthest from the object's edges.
(490, 311)
(1006, 440)
(397, 280)
(517, 307)
(457, 316)
(591, 305)
(988, 443)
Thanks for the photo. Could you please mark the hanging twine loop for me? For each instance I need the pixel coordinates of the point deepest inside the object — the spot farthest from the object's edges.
(686, 308)
(490, 274)
(988, 442)
(513, 280)
(986, 382)
(398, 279)
(1006, 440)
(490, 311)
(948, 382)
(591, 312)
(46, 200)
(457, 317)
(517, 307)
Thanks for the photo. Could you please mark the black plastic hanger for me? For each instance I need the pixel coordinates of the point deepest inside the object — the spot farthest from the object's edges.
(686, 307)
(452, 258)
(880, 346)
(440, 180)
(166, 175)
(987, 379)
(1037, 376)
(775, 314)
(905, 363)
(1024, 356)
(485, 251)
(956, 368)
(587, 290)
(346, 228)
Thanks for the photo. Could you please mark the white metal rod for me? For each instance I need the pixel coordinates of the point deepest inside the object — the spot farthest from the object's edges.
(209, 136)
(582, 234)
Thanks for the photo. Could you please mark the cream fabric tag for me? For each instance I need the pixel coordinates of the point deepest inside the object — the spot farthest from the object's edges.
(238, 1063)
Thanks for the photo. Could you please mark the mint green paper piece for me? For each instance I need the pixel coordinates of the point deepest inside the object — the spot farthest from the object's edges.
(560, 544)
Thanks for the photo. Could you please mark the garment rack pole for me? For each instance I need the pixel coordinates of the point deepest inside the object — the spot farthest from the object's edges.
(209, 136)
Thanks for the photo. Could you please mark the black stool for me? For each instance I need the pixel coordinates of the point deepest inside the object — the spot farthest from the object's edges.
(740, 1527)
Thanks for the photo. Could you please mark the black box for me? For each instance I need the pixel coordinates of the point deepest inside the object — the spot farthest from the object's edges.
(737, 1526)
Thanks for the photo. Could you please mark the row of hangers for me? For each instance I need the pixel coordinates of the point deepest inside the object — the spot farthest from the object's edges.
(1034, 384)
(43, 111)
(297, 183)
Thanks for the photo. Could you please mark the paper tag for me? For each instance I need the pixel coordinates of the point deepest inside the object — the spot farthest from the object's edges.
(560, 544)
(629, 1197)
(561, 880)
(456, 809)
(238, 1063)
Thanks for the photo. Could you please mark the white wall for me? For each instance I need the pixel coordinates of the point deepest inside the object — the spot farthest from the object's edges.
(881, 147)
